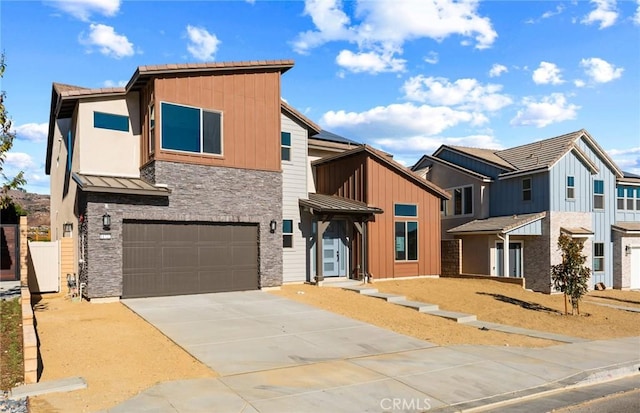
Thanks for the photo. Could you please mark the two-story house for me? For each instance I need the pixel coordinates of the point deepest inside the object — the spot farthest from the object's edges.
(626, 233)
(198, 178)
(509, 206)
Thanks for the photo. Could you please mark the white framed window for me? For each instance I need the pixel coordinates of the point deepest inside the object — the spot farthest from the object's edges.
(461, 202)
(191, 129)
(285, 146)
(571, 188)
(526, 189)
(152, 127)
(598, 194)
(287, 233)
(598, 256)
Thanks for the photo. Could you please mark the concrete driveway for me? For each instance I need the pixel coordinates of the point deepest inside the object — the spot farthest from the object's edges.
(250, 331)
(277, 355)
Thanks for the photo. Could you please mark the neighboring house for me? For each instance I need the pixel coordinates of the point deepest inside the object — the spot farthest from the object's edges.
(198, 178)
(626, 233)
(524, 197)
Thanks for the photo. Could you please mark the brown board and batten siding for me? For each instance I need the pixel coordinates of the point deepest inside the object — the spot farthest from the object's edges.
(250, 106)
(366, 176)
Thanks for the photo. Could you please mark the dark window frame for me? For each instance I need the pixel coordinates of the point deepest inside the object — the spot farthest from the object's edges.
(402, 210)
(598, 194)
(598, 257)
(202, 130)
(285, 148)
(287, 233)
(527, 192)
(110, 121)
(410, 243)
(571, 187)
(461, 203)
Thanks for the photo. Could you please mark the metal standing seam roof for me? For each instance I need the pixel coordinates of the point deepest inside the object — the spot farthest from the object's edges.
(334, 204)
(497, 224)
(117, 185)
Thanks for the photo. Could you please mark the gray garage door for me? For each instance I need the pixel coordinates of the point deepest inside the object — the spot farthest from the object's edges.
(171, 258)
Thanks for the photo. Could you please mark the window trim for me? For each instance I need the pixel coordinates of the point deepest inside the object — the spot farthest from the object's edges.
(599, 257)
(283, 146)
(395, 214)
(630, 198)
(151, 111)
(287, 234)
(595, 194)
(571, 186)
(527, 190)
(406, 258)
(216, 155)
(463, 198)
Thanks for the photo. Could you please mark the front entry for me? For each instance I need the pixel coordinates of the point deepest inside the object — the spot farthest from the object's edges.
(334, 249)
(515, 259)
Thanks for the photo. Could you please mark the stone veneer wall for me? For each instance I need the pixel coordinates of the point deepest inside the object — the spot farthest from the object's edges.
(536, 265)
(199, 194)
(622, 261)
(451, 258)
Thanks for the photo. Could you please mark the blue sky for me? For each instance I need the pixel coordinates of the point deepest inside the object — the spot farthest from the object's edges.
(403, 75)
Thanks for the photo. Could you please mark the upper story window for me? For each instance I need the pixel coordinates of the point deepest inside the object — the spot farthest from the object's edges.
(628, 198)
(405, 210)
(526, 189)
(461, 202)
(189, 129)
(110, 121)
(152, 128)
(598, 194)
(598, 256)
(287, 233)
(571, 188)
(285, 146)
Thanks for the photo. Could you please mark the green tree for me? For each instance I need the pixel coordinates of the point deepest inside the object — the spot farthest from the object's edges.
(6, 143)
(571, 276)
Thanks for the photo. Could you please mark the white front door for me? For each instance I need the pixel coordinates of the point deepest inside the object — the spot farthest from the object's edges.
(515, 259)
(334, 249)
(635, 268)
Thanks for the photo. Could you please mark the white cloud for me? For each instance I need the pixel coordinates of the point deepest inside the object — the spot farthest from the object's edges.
(605, 13)
(428, 144)
(108, 42)
(600, 71)
(627, 159)
(579, 83)
(370, 62)
(636, 17)
(83, 9)
(559, 9)
(384, 26)
(202, 44)
(400, 120)
(497, 70)
(618, 152)
(19, 160)
(465, 94)
(111, 83)
(551, 109)
(547, 73)
(431, 58)
(34, 132)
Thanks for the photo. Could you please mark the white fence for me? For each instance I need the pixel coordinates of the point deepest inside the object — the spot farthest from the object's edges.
(44, 267)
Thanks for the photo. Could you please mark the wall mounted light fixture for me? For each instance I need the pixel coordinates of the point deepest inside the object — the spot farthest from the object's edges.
(627, 250)
(106, 221)
(67, 227)
(272, 226)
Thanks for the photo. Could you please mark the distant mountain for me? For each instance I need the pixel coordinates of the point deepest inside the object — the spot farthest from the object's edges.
(36, 205)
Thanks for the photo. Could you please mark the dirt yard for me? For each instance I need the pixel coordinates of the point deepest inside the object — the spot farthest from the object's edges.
(113, 349)
(119, 354)
(489, 300)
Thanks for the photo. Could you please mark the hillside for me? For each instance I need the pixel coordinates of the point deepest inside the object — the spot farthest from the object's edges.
(36, 205)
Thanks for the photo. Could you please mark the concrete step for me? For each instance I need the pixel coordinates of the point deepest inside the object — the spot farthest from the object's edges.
(341, 283)
(452, 315)
(362, 289)
(392, 298)
(45, 387)
(417, 305)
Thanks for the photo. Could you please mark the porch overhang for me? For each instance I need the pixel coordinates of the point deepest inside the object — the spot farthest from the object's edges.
(321, 204)
(526, 224)
(118, 185)
(578, 232)
(627, 228)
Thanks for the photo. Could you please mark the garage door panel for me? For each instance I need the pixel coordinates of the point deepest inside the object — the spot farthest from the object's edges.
(164, 258)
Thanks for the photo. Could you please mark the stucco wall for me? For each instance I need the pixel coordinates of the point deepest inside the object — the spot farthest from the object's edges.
(199, 193)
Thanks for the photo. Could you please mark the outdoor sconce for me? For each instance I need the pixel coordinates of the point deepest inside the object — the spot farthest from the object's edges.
(67, 227)
(627, 250)
(272, 226)
(106, 221)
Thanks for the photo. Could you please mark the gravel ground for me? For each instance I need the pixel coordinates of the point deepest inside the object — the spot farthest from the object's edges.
(13, 406)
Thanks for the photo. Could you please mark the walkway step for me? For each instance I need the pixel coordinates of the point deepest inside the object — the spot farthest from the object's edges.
(452, 315)
(361, 289)
(526, 332)
(617, 307)
(421, 307)
(392, 298)
(52, 386)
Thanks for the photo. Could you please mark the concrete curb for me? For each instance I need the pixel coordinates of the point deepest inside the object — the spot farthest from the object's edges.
(582, 379)
(44, 387)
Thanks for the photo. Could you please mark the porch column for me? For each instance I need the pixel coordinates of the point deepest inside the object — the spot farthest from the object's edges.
(322, 227)
(505, 256)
